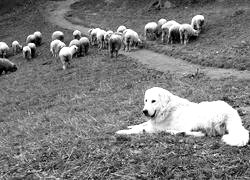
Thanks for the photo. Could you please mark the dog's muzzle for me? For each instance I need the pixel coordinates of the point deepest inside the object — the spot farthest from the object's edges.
(145, 112)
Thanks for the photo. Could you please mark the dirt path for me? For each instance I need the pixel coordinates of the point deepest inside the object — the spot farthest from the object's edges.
(57, 11)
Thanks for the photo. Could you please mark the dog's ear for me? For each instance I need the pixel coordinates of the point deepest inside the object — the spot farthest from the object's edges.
(164, 98)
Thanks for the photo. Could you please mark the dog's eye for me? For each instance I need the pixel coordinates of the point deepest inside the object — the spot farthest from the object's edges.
(146, 100)
(153, 101)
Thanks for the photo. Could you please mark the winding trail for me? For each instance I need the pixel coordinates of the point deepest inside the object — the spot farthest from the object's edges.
(57, 10)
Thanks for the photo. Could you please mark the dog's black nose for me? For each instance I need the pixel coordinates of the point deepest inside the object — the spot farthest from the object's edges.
(145, 112)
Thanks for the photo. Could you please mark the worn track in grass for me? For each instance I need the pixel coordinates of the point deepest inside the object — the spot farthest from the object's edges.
(57, 12)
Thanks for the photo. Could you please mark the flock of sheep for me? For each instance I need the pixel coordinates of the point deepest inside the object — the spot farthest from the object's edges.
(113, 41)
(172, 31)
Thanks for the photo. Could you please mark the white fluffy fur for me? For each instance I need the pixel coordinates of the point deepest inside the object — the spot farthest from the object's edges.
(58, 35)
(173, 114)
(84, 46)
(150, 30)
(33, 49)
(56, 46)
(186, 31)
(165, 29)
(130, 38)
(66, 54)
(16, 47)
(77, 34)
(121, 29)
(115, 43)
(93, 33)
(4, 48)
(197, 22)
(174, 33)
(100, 38)
(27, 52)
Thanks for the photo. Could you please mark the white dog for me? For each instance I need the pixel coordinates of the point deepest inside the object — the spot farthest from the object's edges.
(173, 114)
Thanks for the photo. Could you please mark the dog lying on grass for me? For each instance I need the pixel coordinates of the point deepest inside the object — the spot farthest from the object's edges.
(173, 114)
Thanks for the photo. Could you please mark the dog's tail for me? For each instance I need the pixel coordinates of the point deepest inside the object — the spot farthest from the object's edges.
(237, 134)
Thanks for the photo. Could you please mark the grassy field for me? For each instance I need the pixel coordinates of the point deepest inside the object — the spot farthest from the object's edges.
(60, 124)
(224, 43)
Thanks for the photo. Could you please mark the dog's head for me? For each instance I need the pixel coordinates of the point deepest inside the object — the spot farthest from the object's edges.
(155, 102)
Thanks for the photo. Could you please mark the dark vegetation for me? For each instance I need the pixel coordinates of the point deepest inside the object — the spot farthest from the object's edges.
(61, 124)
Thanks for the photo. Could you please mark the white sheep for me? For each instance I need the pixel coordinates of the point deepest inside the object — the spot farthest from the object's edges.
(66, 54)
(150, 30)
(16, 47)
(75, 42)
(77, 34)
(93, 38)
(121, 29)
(174, 33)
(159, 24)
(84, 46)
(4, 49)
(7, 66)
(58, 35)
(38, 38)
(130, 38)
(27, 52)
(197, 22)
(106, 38)
(55, 47)
(165, 29)
(31, 39)
(100, 38)
(187, 31)
(115, 44)
(33, 49)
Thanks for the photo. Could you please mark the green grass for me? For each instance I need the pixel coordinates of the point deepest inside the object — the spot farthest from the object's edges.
(61, 124)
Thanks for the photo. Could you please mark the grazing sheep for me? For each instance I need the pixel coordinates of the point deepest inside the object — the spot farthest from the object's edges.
(174, 33)
(75, 42)
(100, 38)
(165, 29)
(115, 44)
(58, 35)
(56, 46)
(38, 38)
(33, 49)
(4, 48)
(150, 30)
(31, 39)
(27, 52)
(7, 66)
(84, 46)
(121, 28)
(77, 34)
(66, 54)
(186, 31)
(197, 22)
(130, 38)
(93, 38)
(159, 25)
(106, 38)
(16, 47)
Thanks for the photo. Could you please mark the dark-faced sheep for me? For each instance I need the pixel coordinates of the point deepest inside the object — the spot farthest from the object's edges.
(115, 44)
(197, 22)
(187, 31)
(7, 66)
(84, 46)
(58, 35)
(174, 33)
(165, 29)
(38, 38)
(4, 49)
(150, 30)
(16, 47)
(130, 38)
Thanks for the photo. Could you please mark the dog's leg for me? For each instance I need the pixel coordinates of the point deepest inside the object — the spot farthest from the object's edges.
(138, 129)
